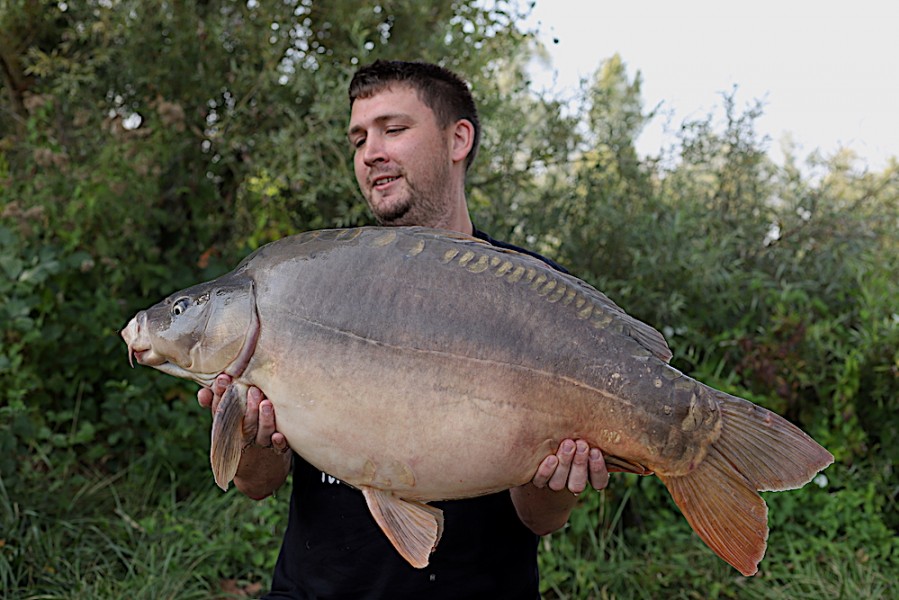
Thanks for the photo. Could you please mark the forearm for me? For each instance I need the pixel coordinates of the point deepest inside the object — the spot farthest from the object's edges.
(542, 510)
(261, 471)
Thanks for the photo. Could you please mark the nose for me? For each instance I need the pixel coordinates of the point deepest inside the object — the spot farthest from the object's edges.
(374, 150)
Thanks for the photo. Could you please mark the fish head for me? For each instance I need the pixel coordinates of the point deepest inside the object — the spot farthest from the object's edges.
(199, 332)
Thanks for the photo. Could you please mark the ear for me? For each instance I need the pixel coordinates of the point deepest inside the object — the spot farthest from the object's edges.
(463, 140)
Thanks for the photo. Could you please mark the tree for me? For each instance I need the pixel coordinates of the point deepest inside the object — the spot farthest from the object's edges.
(149, 146)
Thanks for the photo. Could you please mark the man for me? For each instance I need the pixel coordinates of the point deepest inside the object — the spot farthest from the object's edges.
(415, 131)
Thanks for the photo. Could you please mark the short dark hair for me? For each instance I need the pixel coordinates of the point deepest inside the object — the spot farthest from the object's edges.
(441, 90)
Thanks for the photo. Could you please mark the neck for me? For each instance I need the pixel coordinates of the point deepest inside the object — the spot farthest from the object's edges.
(458, 218)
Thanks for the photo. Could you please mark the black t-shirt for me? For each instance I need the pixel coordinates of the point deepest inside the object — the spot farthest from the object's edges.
(334, 549)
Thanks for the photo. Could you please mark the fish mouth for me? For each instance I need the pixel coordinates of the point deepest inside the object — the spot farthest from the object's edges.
(145, 357)
(138, 348)
(131, 334)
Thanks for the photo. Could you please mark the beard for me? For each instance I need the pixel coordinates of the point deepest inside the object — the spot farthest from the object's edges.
(425, 201)
(392, 215)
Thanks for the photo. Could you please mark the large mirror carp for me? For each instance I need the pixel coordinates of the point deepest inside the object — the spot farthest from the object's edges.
(420, 365)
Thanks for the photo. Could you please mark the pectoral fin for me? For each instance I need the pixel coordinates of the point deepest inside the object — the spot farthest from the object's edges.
(227, 435)
(414, 528)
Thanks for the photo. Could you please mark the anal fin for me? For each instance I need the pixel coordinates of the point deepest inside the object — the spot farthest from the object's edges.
(227, 435)
(414, 528)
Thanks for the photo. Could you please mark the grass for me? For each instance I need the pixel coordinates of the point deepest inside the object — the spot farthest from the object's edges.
(144, 535)
(130, 537)
(606, 553)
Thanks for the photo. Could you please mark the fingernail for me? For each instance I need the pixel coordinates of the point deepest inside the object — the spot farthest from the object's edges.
(594, 453)
(567, 446)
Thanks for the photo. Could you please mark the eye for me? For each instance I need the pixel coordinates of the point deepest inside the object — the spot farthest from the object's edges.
(180, 306)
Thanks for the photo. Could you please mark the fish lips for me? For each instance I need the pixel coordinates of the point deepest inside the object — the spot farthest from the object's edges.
(146, 357)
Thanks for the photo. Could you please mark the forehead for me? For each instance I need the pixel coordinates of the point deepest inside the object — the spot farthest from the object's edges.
(394, 100)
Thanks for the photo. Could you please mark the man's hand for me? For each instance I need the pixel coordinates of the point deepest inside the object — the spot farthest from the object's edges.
(259, 419)
(544, 504)
(573, 464)
(265, 461)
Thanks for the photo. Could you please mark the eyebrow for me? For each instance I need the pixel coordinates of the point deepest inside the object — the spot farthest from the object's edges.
(379, 120)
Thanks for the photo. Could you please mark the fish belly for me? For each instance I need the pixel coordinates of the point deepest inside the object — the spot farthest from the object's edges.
(426, 426)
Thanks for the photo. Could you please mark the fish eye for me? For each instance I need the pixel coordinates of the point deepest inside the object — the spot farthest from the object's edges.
(180, 306)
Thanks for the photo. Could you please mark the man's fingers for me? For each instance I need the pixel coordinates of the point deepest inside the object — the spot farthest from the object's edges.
(545, 470)
(220, 384)
(251, 417)
(599, 474)
(577, 476)
(266, 422)
(204, 397)
(559, 479)
(279, 442)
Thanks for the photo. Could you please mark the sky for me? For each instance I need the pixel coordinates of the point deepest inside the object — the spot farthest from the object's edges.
(826, 71)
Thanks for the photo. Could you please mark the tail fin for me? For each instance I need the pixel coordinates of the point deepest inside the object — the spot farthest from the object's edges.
(757, 451)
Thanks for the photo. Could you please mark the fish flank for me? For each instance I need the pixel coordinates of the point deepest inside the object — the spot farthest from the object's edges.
(547, 288)
(502, 269)
(556, 295)
(481, 361)
(417, 249)
(480, 265)
(386, 238)
(516, 274)
(543, 280)
(538, 280)
(466, 257)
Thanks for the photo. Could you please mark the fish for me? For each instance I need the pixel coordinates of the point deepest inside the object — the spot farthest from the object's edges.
(418, 365)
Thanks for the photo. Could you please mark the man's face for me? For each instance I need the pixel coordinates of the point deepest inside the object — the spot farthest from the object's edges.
(402, 158)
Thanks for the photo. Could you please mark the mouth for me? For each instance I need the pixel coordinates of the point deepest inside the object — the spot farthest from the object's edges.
(138, 348)
(382, 182)
(144, 356)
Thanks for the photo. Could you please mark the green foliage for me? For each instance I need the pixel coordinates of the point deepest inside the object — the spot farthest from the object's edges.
(65, 396)
(127, 178)
(630, 541)
(146, 147)
(129, 535)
